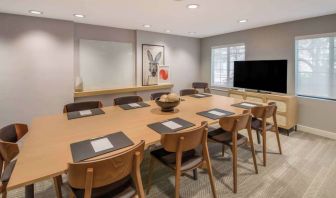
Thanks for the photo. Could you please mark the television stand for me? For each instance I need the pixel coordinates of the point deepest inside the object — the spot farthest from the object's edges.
(264, 92)
(287, 106)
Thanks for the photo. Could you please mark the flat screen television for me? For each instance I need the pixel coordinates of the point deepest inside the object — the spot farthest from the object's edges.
(261, 75)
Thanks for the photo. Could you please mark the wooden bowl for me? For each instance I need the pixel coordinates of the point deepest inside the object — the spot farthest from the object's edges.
(167, 106)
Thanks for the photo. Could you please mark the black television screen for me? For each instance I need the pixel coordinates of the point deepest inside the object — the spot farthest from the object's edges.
(265, 75)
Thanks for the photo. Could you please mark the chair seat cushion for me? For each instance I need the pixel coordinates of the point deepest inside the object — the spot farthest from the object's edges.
(121, 189)
(190, 159)
(221, 136)
(257, 125)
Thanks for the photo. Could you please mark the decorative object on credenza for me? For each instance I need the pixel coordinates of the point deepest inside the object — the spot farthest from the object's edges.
(164, 74)
(152, 57)
(78, 84)
(168, 102)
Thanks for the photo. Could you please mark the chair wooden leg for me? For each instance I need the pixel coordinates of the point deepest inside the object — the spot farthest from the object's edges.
(4, 193)
(278, 140)
(195, 173)
(29, 191)
(57, 186)
(264, 146)
(223, 150)
(177, 183)
(209, 170)
(150, 174)
(258, 136)
(234, 161)
(71, 195)
(252, 150)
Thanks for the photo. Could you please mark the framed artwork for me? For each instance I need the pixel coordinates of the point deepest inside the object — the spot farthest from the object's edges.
(152, 57)
(164, 74)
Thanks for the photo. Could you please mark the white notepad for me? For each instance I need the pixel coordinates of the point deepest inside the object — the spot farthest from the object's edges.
(171, 125)
(101, 144)
(134, 105)
(85, 112)
(217, 113)
(248, 104)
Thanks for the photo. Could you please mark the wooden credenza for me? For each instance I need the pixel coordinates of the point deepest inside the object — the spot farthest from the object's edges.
(287, 106)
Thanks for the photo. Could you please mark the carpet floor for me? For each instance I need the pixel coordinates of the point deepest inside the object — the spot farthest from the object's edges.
(306, 169)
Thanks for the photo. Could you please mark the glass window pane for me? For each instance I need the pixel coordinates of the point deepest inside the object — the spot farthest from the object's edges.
(316, 67)
(222, 64)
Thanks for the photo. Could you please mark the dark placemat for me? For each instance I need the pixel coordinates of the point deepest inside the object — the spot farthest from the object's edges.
(161, 128)
(128, 107)
(84, 149)
(76, 114)
(215, 113)
(248, 106)
(200, 95)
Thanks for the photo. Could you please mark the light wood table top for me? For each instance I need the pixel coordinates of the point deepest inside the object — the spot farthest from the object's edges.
(46, 149)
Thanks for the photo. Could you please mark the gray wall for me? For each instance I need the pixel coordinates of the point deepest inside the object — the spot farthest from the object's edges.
(182, 54)
(39, 59)
(36, 67)
(278, 42)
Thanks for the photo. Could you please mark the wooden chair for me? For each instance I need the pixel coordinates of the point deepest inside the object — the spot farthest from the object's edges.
(186, 92)
(178, 153)
(80, 106)
(229, 135)
(114, 176)
(260, 124)
(201, 85)
(158, 95)
(9, 136)
(127, 100)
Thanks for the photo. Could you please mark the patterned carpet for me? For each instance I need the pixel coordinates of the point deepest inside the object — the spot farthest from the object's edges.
(307, 168)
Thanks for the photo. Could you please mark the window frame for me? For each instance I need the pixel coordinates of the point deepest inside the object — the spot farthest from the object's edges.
(228, 60)
(332, 61)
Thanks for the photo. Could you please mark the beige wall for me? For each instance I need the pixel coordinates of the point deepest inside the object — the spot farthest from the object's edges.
(277, 42)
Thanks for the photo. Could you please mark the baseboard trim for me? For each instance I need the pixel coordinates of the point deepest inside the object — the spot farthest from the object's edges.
(318, 132)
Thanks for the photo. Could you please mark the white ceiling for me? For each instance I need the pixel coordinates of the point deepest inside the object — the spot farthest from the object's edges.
(211, 18)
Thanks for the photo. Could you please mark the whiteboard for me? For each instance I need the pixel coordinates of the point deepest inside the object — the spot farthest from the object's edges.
(106, 64)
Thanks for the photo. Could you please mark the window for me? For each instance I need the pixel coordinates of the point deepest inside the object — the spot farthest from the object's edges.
(222, 63)
(316, 66)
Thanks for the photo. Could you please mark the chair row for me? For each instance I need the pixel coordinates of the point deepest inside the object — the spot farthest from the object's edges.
(120, 174)
(79, 106)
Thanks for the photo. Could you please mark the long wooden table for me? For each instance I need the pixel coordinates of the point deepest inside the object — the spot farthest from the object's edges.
(46, 148)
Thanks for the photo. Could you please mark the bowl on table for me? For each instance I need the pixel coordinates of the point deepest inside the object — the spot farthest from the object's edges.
(168, 102)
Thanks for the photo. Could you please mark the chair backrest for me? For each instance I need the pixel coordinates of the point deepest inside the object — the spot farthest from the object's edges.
(107, 170)
(13, 132)
(190, 139)
(80, 106)
(127, 100)
(9, 135)
(185, 92)
(236, 122)
(201, 85)
(264, 112)
(158, 95)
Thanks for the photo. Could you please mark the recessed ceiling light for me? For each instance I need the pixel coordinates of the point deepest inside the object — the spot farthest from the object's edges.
(193, 6)
(147, 26)
(243, 21)
(167, 31)
(35, 12)
(192, 32)
(79, 15)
